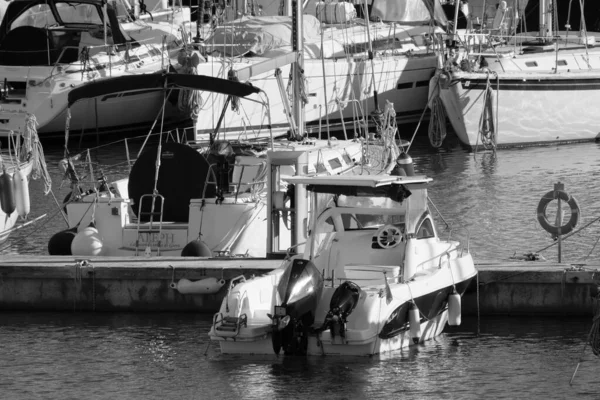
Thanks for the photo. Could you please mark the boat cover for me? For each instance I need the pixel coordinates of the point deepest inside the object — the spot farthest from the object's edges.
(409, 11)
(145, 82)
(257, 35)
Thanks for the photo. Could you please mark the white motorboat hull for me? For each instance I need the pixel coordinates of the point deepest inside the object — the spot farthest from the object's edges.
(319, 347)
(366, 333)
(530, 108)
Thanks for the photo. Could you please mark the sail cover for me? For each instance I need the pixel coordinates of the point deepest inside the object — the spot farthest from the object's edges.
(409, 11)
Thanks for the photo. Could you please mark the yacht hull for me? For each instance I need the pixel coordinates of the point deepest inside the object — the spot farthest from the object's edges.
(527, 109)
(347, 84)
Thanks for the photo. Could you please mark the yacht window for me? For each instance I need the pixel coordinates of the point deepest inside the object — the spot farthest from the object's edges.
(38, 16)
(346, 158)
(425, 230)
(531, 63)
(320, 168)
(335, 163)
(78, 13)
(367, 221)
(562, 62)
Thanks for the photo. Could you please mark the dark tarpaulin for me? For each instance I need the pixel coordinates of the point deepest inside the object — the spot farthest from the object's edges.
(395, 192)
(145, 82)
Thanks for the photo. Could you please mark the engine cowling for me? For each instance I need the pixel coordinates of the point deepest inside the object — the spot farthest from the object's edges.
(300, 289)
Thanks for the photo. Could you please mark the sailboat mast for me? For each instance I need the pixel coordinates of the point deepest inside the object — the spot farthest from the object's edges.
(546, 12)
(297, 67)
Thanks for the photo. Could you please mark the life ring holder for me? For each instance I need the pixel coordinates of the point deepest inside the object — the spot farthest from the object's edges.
(543, 219)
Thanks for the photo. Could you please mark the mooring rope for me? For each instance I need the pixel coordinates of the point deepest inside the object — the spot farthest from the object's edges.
(594, 335)
(593, 339)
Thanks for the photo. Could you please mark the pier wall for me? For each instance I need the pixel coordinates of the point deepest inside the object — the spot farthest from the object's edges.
(144, 284)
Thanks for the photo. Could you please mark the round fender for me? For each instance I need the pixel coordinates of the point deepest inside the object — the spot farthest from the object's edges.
(543, 219)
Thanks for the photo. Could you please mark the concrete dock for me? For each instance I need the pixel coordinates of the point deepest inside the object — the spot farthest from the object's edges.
(67, 283)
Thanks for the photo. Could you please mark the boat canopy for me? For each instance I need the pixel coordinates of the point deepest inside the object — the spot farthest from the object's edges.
(145, 82)
(409, 11)
(40, 13)
(392, 187)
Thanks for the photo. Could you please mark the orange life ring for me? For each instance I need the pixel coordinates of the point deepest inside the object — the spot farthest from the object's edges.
(543, 219)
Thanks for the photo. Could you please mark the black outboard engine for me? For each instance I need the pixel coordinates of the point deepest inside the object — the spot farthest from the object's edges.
(343, 302)
(300, 289)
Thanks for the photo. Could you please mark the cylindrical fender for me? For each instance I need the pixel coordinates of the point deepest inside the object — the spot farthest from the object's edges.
(7, 193)
(209, 285)
(21, 186)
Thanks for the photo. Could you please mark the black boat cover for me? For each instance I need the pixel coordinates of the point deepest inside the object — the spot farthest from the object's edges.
(144, 82)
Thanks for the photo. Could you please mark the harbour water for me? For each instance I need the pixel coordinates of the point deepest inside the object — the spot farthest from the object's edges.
(168, 356)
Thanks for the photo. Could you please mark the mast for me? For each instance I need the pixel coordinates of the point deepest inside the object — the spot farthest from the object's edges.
(546, 12)
(300, 200)
(298, 65)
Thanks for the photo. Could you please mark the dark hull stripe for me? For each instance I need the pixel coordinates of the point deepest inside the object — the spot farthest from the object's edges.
(537, 85)
(430, 305)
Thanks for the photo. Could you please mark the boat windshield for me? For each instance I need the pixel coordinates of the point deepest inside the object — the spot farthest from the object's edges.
(41, 16)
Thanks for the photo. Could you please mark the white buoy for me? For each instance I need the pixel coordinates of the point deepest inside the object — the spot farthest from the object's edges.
(454, 309)
(21, 187)
(203, 286)
(414, 319)
(87, 242)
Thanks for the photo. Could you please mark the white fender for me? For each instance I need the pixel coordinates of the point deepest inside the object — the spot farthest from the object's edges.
(87, 242)
(414, 319)
(454, 309)
(21, 187)
(203, 286)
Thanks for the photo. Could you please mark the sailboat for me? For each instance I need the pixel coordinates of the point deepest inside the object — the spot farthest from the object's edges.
(352, 65)
(49, 47)
(185, 199)
(524, 89)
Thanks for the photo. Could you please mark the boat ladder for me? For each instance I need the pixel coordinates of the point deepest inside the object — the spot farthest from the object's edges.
(152, 227)
(229, 326)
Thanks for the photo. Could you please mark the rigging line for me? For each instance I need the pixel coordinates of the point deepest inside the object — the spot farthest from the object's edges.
(570, 234)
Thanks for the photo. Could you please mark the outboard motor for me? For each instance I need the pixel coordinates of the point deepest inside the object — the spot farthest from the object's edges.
(343, 302)
(300, 289)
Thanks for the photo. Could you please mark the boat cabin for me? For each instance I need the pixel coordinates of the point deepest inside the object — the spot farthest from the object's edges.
(42, 32)
(363, 223)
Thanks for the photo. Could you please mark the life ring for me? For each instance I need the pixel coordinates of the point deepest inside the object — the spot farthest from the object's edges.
(543, 219)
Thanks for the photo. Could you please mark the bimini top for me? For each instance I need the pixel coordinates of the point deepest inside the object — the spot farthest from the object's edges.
(144, 82)
(390, 186)
(357, 180)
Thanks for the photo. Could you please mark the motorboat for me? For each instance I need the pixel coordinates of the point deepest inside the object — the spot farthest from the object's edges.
(196, 200)
(512, 89)
(49, 47)
(374, 276)
(353, 63)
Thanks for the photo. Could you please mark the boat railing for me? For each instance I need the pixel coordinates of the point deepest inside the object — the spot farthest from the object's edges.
(219, 177)
(118, 55)
(465, 232)
(440, 257)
